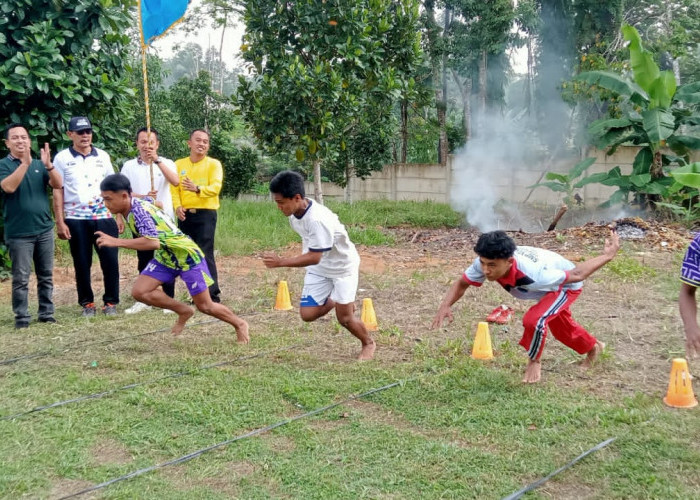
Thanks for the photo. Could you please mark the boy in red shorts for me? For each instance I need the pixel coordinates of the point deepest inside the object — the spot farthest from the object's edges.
(534, 274)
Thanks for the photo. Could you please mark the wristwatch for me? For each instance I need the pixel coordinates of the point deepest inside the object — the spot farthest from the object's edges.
(198, 189)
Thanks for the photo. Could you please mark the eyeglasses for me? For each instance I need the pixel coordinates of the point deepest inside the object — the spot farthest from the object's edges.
(85, 131)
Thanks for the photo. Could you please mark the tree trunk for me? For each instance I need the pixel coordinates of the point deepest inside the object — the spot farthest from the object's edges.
(221, 55)
(404, 131)
(465, 90)
(677, 71)
(442, 110)
(482, 88)
(440, 100)
(530, 77)
(349, 168)
(656, 169)
(318, 192)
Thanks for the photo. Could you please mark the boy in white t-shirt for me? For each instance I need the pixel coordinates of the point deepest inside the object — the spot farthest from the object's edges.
(534, 274)
(331, 261)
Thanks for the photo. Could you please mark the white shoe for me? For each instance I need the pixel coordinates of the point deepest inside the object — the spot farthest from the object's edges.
(168, 311)
(137, 308)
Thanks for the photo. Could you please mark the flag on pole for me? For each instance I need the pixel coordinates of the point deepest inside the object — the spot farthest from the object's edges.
(155, 18)
(158, 16)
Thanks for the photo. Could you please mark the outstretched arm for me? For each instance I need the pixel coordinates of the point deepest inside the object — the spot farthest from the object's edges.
(585, 269)
(105, 240)
(453, 295)
(689, 314)
(303, 260)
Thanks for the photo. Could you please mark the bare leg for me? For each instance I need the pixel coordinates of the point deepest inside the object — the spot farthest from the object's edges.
(148, 291)
(204, 303)
(346, 316)
(312, 313)
(593, 354)
(532, 372)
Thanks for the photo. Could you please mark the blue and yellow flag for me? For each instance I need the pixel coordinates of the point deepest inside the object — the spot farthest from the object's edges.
(158, 16)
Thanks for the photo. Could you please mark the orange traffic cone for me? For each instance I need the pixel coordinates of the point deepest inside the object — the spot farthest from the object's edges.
(283, 303)
(482, 342)
(368, 316)
(680, 389)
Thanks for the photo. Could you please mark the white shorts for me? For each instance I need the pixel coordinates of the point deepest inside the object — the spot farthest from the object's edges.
(317, 289)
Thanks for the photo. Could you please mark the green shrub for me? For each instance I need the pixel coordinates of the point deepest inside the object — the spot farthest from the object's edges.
(240, 164)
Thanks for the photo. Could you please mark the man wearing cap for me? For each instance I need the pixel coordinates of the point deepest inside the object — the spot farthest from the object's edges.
(80, 211)
(151, 175)
(196, 199)
(28, 222)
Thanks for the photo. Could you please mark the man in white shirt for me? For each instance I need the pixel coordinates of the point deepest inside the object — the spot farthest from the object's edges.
(80, 211)
(330, 258)
(151, 176)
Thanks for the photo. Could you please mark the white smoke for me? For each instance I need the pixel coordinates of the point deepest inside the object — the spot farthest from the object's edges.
(489, 160)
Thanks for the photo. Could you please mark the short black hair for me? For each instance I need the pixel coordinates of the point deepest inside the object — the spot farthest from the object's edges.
(288, 184)
(14, 125)
(495, 245)
(145, 129)
(200, 130)
(116, 183)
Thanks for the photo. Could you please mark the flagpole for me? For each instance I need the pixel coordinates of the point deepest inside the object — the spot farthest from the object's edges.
(144, 66)
(160, 17)
(148, 109)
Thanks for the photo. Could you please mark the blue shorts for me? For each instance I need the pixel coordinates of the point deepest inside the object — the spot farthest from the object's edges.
(197, 278)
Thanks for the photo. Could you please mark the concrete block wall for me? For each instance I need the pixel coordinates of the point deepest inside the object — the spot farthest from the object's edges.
(426, 182)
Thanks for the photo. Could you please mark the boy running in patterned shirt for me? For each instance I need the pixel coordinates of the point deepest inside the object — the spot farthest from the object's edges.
(534, 274)
(175, 255)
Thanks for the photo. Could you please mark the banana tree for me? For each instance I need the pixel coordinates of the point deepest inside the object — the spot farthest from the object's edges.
(653, 118)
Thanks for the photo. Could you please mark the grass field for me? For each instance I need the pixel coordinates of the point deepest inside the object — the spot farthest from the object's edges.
(452, 428)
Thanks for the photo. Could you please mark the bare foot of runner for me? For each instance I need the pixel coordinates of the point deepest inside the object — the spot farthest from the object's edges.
(593, 355)
(242, 333)
(181, 320)
(532, 372)
(367, 352)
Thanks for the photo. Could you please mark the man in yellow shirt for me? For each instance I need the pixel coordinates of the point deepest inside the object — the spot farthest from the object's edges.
(196, 199)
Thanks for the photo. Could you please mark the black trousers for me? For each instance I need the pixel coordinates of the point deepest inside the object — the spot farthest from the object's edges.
(82, 241)
(145, 257)
(200, 225)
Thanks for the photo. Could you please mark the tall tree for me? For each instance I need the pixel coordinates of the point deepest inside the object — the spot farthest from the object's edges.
(320, 70)
(213, 14)
(554, 65)
(480, 37)
(437, 50)
(60, 58)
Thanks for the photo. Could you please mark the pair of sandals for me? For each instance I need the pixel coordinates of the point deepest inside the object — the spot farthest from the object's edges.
(501, 315)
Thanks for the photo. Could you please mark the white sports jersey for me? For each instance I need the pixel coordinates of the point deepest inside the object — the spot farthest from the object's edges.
(535, 272)
(321, 231)
(139, 174)
(81, 182)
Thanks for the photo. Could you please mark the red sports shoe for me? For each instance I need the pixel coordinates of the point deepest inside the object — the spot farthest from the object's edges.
(501, 315)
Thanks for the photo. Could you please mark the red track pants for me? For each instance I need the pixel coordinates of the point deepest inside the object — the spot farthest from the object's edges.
(553, 311)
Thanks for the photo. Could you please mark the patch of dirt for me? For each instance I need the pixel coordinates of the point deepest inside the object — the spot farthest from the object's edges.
(279, 443)
(110, 452)
(650, 235)
(63, 487)
(568, 489)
